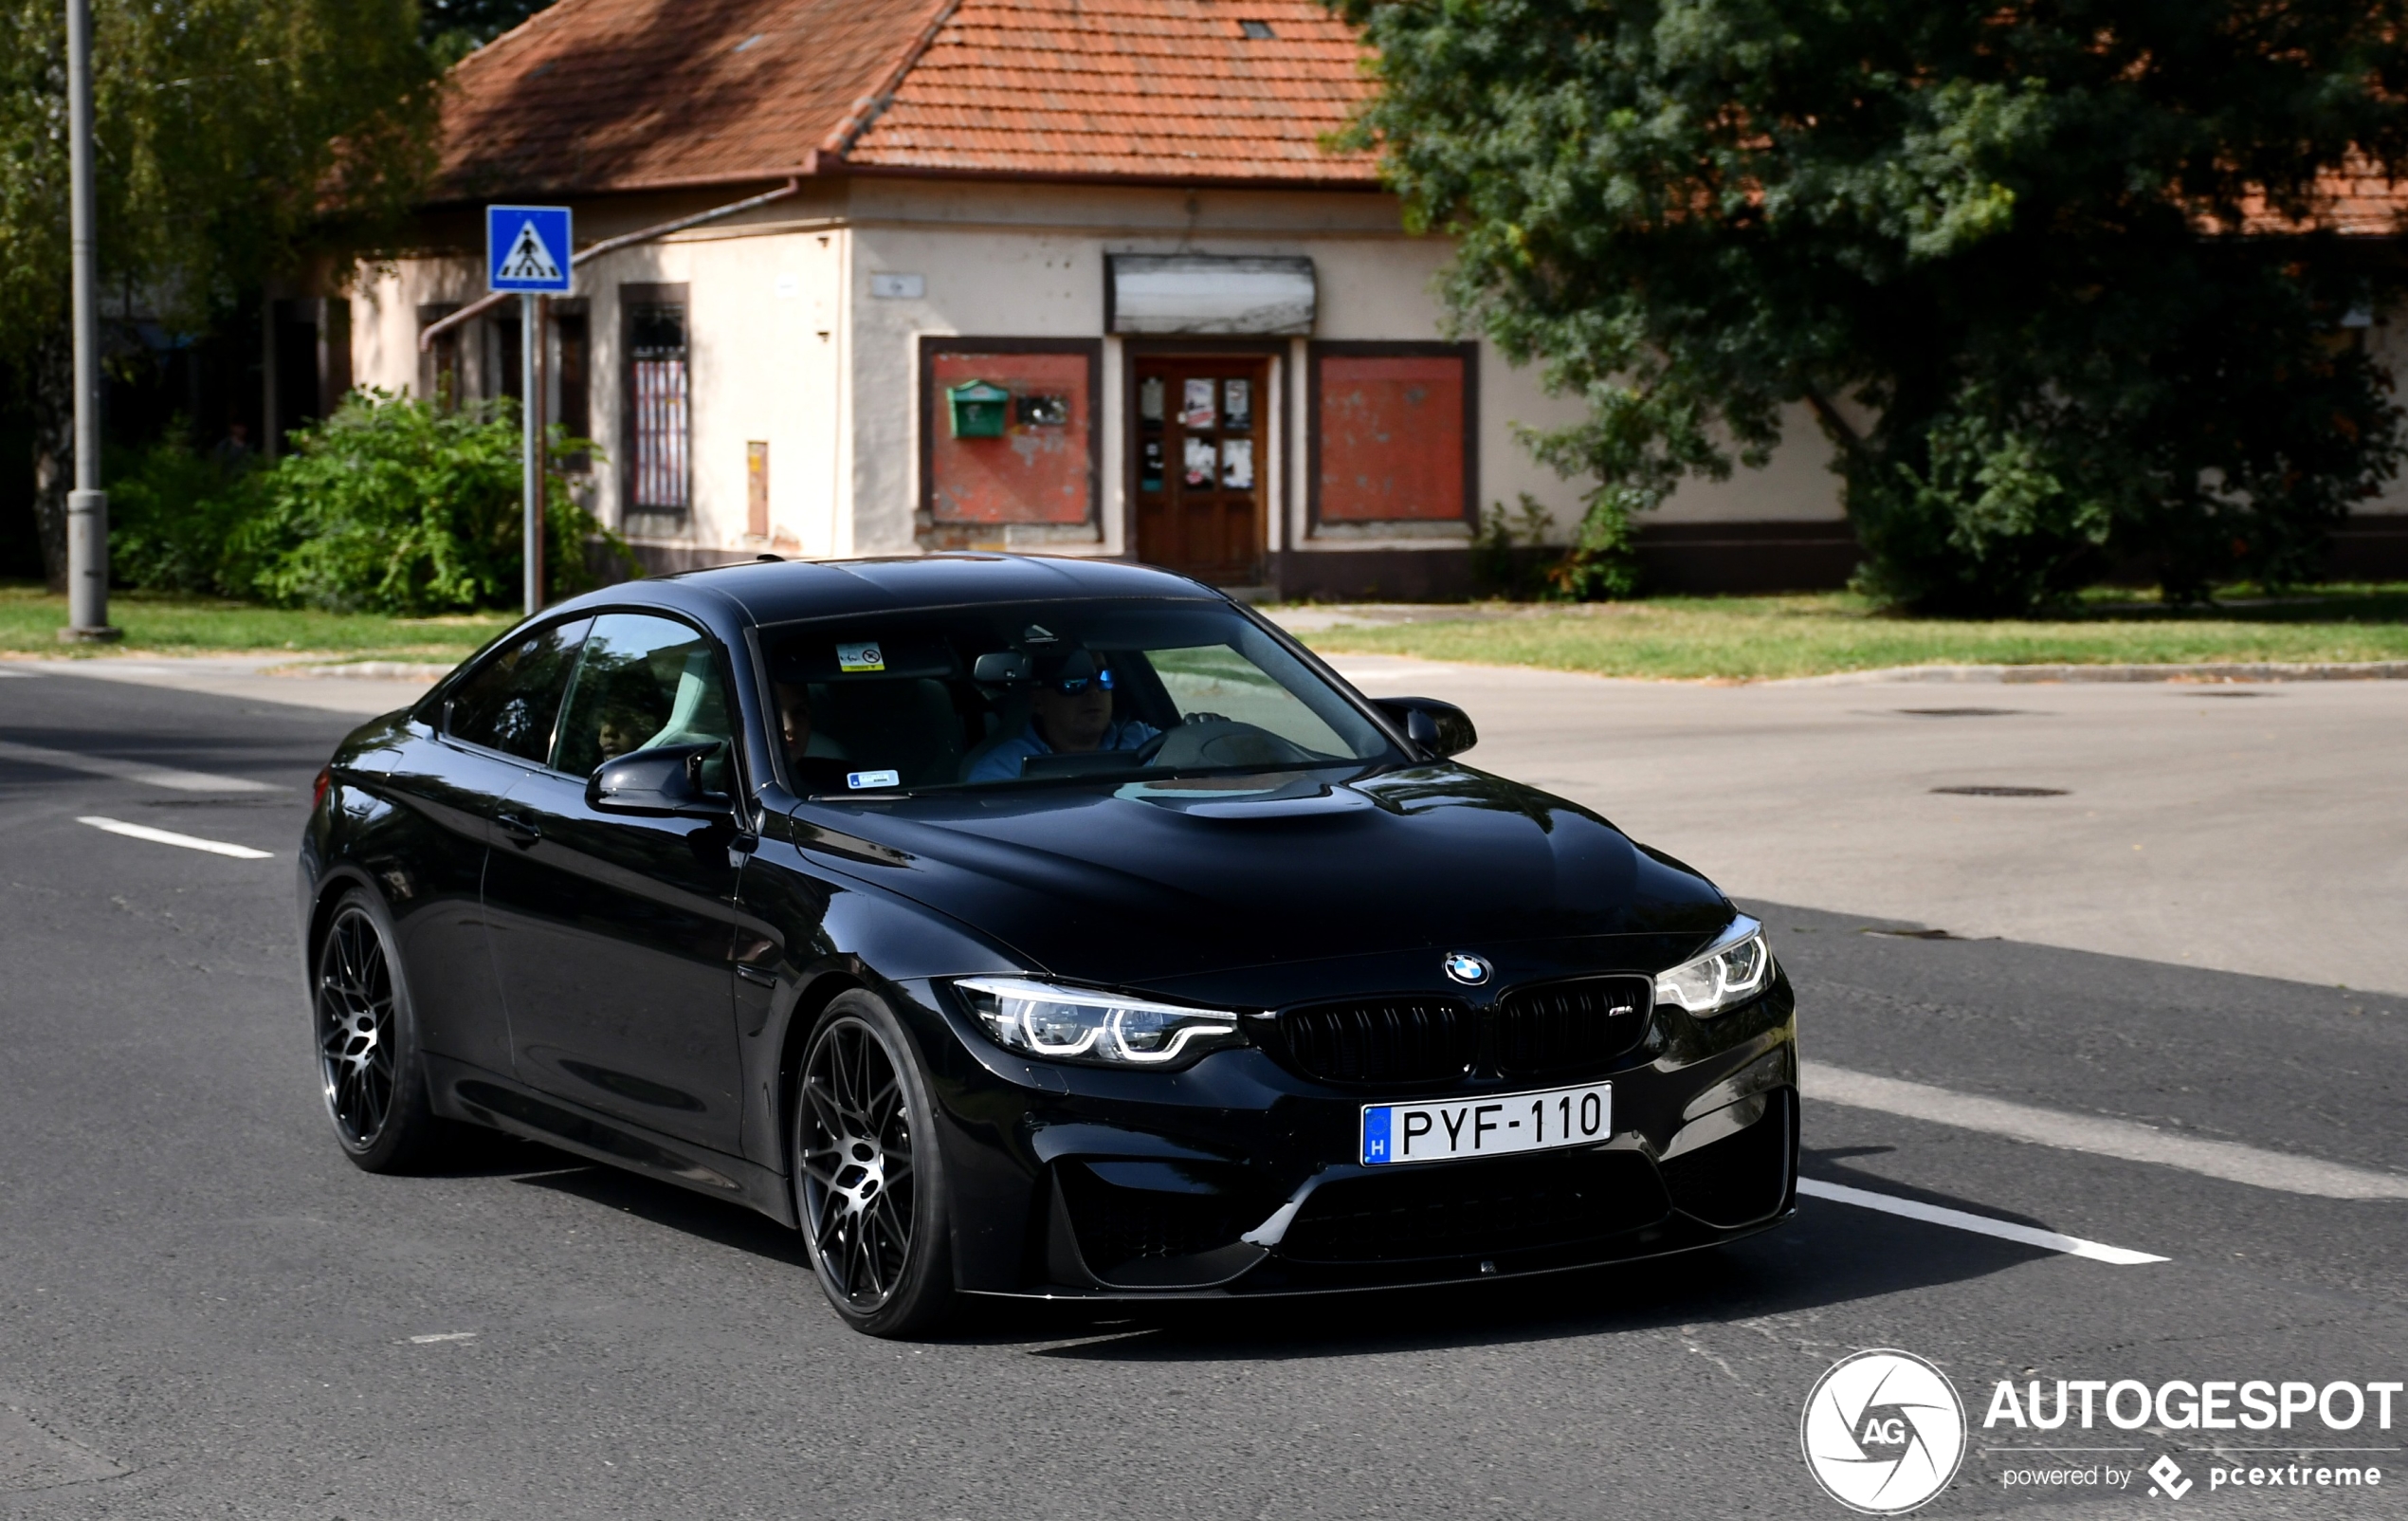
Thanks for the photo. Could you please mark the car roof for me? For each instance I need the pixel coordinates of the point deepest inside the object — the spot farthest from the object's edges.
(784, 591)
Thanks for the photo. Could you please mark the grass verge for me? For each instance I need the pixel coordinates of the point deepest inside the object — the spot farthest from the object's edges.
(157, 623)
(1746, 638)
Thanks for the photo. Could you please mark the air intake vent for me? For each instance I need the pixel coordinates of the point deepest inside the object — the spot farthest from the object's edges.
(1402, 1039)
(1564, 1028)
(1477, 1208)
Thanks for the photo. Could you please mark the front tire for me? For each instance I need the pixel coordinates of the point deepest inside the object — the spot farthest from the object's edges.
(868, 1184)
(369, 1066)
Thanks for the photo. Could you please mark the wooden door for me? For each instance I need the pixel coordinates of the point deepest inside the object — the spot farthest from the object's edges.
(1200, 448)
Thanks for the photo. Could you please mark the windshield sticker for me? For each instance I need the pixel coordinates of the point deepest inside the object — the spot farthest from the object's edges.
(867, 656)
(858, 779)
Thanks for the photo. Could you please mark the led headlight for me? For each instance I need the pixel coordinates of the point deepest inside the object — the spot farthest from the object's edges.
(1080, 1024)
(1737, 968)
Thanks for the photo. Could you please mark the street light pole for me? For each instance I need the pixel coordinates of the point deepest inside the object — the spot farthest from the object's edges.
(87, 504)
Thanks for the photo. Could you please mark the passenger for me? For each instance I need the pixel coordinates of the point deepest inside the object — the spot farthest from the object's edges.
(811, 772)
(1070, 713)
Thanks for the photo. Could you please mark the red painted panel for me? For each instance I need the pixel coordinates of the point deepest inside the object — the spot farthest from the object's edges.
(1033, 473)
(1391, 437)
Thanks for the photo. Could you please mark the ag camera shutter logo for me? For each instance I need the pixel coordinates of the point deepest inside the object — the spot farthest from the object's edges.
(1883, 1432)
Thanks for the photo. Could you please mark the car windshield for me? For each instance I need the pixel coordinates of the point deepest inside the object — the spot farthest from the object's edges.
(1013, 693)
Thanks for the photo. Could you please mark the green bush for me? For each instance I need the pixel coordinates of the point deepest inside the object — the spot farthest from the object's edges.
(391, 505)
(177, 516)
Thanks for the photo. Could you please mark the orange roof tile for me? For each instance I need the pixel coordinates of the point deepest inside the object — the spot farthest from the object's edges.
(2356, 200)
(1151, 89)
(609, 94)
(605, 95)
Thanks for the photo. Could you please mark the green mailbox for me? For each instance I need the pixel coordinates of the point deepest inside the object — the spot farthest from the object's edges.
(978, 409)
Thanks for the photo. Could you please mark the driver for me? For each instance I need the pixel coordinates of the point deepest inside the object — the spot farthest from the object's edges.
(1069, 713)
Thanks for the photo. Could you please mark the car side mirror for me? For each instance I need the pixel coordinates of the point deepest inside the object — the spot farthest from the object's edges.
(1001, 667)
(667, 782)
(1438, 730)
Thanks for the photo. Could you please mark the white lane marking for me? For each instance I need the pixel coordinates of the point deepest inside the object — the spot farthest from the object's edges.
(443, 1336)
(166, 837)
(101, 765)
(2123, 1139)
(1979, 1224)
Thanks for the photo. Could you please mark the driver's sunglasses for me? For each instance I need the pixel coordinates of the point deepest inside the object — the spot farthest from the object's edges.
(1071, 685)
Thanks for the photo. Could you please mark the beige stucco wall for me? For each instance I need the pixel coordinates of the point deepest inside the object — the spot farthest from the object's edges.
(764, 324)
(1029, 261)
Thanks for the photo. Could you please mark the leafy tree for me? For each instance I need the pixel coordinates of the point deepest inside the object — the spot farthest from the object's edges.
(456, 28)
(394, 505)
(236, 137)
(2054, 275)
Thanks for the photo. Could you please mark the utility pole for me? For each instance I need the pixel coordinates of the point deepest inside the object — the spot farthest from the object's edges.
(87, 504)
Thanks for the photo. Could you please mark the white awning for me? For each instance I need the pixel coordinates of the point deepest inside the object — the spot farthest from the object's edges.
(1194, 293)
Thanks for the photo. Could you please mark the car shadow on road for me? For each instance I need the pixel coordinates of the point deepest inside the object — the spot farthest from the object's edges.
(1828, 1255)
(713, 1219)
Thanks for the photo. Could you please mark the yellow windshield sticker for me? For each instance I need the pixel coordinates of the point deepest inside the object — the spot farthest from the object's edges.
(860, 657)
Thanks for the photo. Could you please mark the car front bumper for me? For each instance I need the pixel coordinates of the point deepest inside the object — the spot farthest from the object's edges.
(1238, 1176)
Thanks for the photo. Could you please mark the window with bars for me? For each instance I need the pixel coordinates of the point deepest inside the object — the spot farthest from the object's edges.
(660, 405)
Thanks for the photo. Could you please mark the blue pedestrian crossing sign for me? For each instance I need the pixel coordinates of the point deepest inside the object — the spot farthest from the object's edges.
(527, 249)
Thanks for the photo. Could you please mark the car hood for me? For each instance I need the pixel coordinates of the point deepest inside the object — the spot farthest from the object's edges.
(1150, 882)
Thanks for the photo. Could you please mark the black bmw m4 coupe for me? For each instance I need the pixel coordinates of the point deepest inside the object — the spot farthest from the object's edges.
(1025, 927)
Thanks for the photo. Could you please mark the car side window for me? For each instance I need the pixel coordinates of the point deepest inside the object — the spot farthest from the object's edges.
(508, 704)
(646, 682)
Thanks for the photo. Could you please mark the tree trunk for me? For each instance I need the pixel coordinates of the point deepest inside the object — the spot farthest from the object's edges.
(53, 448)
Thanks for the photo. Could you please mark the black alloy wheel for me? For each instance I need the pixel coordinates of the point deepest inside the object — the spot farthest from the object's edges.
(368, 1063)
(867, 1188)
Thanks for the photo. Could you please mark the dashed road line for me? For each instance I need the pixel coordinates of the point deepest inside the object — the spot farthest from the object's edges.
(1979, 1224)
(167, 836)
(102, 765)
(2123, 1139)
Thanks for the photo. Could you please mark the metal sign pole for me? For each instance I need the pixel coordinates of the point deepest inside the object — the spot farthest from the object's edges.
(87, 504)
(531, 417)
(528, 254)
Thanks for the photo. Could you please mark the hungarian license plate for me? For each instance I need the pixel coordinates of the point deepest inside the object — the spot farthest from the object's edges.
(1498, 1125)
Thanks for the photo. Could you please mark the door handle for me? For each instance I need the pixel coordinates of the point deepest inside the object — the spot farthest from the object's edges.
(521, 829)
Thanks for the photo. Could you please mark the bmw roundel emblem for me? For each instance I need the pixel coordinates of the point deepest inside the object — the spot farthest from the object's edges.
(1467, 968)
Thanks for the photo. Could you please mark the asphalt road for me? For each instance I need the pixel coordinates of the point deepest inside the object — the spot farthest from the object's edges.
(204, 1310)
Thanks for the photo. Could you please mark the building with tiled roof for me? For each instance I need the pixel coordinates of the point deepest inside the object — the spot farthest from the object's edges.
(1086, 276)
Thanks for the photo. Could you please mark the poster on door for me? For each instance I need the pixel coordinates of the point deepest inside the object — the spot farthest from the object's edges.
(1195, 406)
(1237, 407)
(1237, 462)
(1198, 462)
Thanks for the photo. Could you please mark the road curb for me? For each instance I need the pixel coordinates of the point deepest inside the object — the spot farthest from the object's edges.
(366, 671)
(2215, 671)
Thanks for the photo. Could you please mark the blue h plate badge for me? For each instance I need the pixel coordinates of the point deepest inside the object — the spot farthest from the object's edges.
(1376, 1128)
(527, 249)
